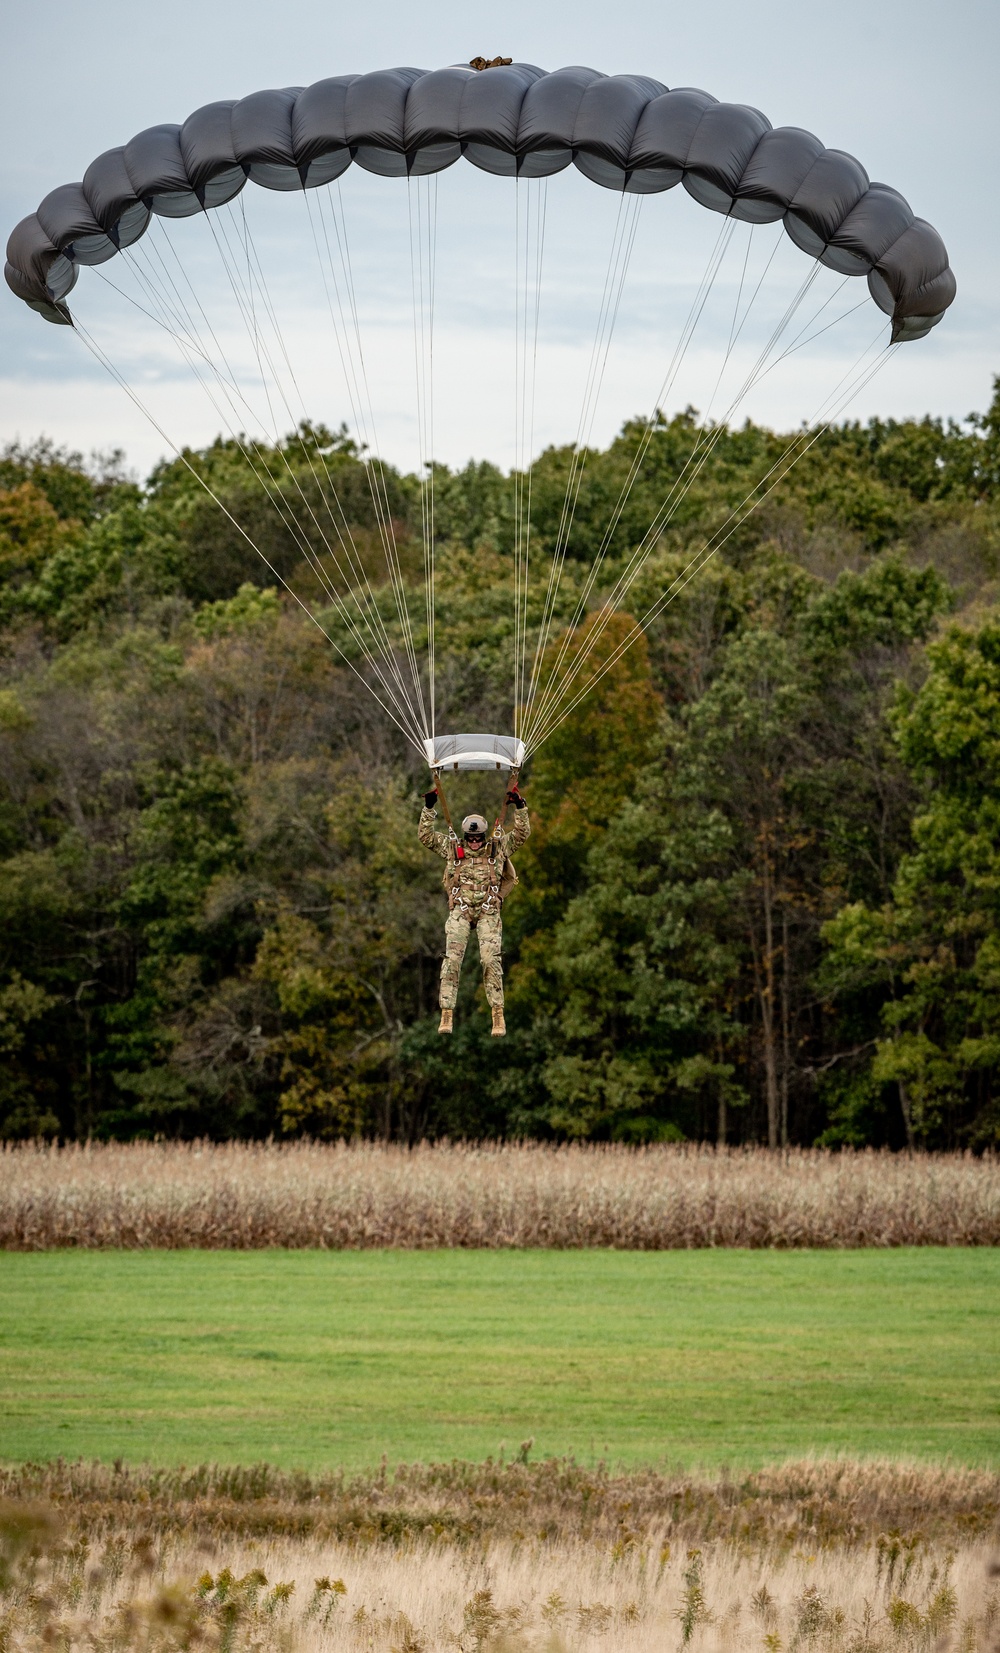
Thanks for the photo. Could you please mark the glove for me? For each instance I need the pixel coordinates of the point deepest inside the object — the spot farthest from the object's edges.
(430, 800)
(514, 797)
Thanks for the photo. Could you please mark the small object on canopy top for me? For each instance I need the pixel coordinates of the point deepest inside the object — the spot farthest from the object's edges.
(460, 752)
(489, 62)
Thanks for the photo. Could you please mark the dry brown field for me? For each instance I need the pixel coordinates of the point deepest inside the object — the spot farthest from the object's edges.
(813, 1557)
(247, 1195)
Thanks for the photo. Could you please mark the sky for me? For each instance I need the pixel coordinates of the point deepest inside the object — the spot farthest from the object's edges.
(906, 85)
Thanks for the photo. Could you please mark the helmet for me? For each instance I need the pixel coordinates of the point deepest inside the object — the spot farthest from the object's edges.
(474, 826)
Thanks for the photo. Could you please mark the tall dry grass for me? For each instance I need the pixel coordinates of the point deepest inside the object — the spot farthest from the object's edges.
(811, 1503)
(121, 1579)
(237, 1195)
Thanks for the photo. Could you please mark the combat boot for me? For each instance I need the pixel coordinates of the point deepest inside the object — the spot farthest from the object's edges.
(446, 1023)
(499, 1025)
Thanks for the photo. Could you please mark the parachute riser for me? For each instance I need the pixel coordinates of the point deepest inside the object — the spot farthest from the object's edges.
(513, 779)
(436, 773)
(515, 775)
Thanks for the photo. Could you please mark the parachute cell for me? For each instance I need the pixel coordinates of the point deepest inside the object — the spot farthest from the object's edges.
(624, 132)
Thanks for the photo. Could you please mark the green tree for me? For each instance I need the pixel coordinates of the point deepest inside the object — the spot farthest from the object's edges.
(216, 916)
(932, 951)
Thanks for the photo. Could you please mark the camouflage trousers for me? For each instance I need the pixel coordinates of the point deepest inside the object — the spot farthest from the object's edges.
(489, 930)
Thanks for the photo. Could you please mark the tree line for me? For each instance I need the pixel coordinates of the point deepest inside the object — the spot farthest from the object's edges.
(761, 901)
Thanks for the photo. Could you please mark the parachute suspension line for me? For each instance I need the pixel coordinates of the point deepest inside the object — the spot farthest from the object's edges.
(799, 343)
(519, 365)
(359, 394)
(99, 354)
(555, 691)
(179, 309)
(614, 283)
(423, 271)
(352, 363)
(724, 533)
(736, 326)
(192, 347)
(529, 249)
(245, 300)
(372, 601)
(432, 192)
(542, 194)
(708, 551)
(702, 451)
(554, 687)
(361, 575)
(734, 331)
(611, 300)
(290, 524)
(250, 309)
(704, 289)
(197, 357)
(245, 303)
(350, 377)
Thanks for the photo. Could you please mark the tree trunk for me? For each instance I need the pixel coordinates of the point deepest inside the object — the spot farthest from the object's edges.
(904, 1103)
(766, 993)
(786, 1043)
(722, 1122)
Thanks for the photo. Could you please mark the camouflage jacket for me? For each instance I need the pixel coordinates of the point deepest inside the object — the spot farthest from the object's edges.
(473, 880)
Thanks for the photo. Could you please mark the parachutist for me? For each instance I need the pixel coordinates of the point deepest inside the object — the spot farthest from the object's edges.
(478, 876)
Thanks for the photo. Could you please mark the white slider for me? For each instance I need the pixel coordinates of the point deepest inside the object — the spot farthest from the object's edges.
(461, 752)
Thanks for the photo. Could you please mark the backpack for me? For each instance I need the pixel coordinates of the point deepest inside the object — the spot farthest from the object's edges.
(508, 878)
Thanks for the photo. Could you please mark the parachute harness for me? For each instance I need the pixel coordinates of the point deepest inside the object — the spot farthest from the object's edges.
(494, 898)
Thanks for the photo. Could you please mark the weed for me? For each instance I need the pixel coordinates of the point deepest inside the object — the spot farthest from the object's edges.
(115, 1564)
(693, 1610)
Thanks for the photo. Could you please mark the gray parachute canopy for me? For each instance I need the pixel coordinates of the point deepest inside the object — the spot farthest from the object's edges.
(625, 132)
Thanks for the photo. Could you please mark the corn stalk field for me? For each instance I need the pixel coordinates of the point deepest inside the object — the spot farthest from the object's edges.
(820, 1557)
(365, 1196)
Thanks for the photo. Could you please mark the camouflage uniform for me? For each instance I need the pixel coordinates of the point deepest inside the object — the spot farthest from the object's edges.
(473, 884)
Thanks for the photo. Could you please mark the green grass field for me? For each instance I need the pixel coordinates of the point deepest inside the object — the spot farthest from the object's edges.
(313, 1359)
